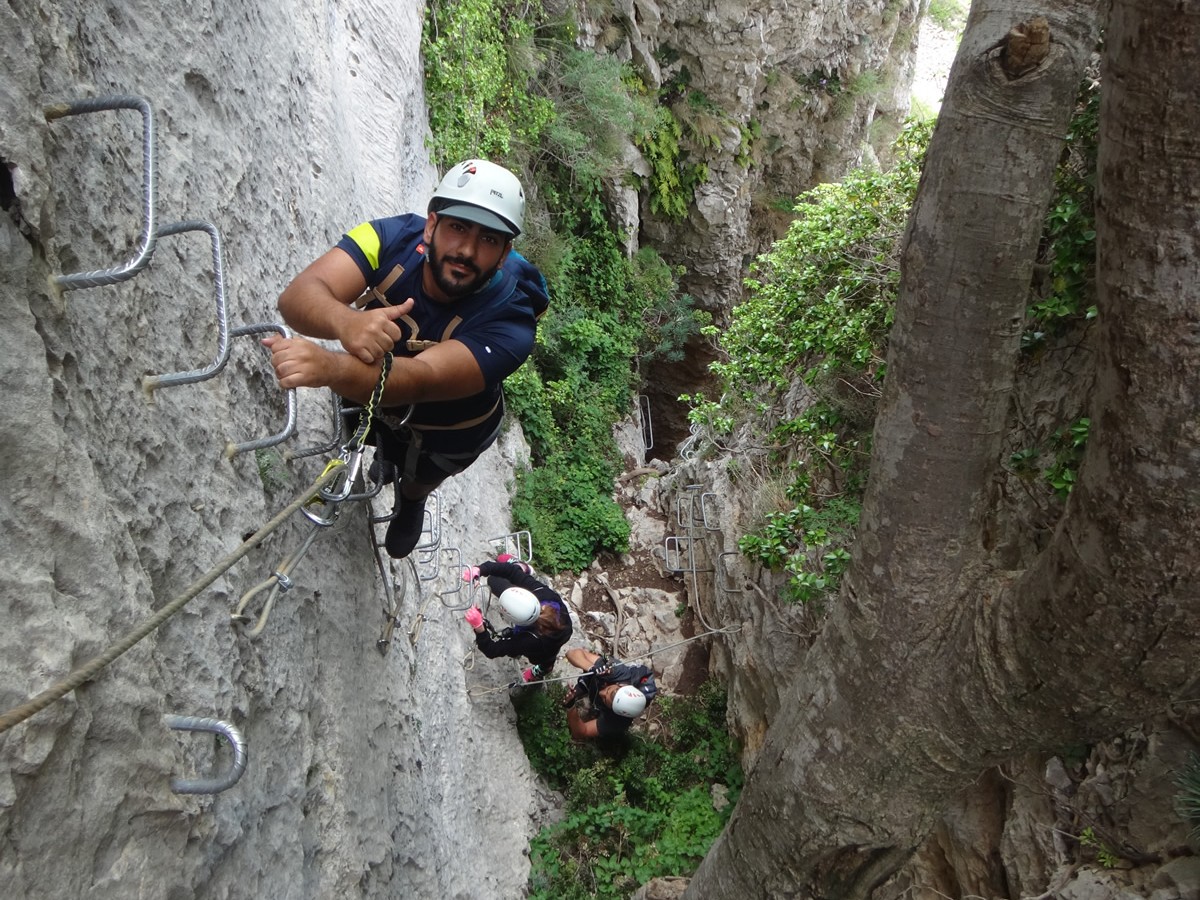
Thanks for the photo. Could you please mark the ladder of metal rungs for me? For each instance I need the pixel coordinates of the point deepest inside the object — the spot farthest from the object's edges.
(646, 422)
(149, 236)
(151, 383)
(431, 523)
(289, 428)
(708, 515)
(518, 544)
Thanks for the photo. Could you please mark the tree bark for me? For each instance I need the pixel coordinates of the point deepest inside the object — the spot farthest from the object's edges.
(1107, 618)
(935, 665)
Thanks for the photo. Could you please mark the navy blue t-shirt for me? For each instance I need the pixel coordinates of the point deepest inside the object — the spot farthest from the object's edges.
(497, 323)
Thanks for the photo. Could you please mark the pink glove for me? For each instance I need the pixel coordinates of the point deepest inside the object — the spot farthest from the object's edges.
(474, 617)
(470, 573)
(504, 557)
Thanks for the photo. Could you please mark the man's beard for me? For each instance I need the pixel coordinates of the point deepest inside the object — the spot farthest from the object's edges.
(453, 287)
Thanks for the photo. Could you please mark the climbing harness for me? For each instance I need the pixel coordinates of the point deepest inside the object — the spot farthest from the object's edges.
(352, 451)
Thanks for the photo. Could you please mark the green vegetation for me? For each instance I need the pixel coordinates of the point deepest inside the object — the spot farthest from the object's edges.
(1064, 303)
(1187, 801)
(1069, 239)
(503, 80)
(818, 310)
(271, 470)
(1065, 450)
(478, 105)
(950, 15)
(1104, 854)
(635, 811)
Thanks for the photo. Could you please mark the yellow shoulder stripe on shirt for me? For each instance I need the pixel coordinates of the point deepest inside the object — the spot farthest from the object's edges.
(368, 242)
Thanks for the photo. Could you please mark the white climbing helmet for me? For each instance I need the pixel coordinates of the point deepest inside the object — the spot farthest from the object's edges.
(519, 606)
(628, 701)
(480, 191)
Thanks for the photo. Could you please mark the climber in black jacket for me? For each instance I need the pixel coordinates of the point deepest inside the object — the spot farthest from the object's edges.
(538, 618)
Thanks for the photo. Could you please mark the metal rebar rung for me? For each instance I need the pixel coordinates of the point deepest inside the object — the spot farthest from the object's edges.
(673, 555)
(518, 544)
(452, 569)
(150, 383)
(226, 730)
(339, 434)
(148, 236)
(683, 519)
(724, 582)
(289, 428)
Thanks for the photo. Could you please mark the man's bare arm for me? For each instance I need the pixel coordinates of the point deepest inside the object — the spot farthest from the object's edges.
(447, 371)
(581, 659)
(317, 303)
(581, 730)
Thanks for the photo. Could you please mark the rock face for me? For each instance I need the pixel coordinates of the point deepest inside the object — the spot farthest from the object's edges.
(282, 125)
(773, 98)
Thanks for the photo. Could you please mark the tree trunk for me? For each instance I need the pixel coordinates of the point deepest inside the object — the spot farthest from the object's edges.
(934, 666)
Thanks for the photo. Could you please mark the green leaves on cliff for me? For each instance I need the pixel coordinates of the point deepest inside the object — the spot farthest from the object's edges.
(478, 91)
(818, 309)
(821, 299)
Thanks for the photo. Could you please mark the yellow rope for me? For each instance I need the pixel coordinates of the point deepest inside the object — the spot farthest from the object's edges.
(90, 669)
(360, 435)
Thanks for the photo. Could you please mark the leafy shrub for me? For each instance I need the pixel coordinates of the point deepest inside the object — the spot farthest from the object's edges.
(566, 504)
(818, 308)
(1068, 444)
(478, 104)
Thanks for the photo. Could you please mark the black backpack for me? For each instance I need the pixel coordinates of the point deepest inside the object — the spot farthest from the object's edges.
(641, 677)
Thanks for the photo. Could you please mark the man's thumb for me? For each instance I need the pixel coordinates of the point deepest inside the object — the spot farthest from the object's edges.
(400, 309)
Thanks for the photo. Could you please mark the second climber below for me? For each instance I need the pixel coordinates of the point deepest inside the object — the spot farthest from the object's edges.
(540, 623)
(453, 304)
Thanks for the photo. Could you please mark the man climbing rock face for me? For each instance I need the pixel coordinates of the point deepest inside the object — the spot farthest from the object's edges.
(454, 305)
